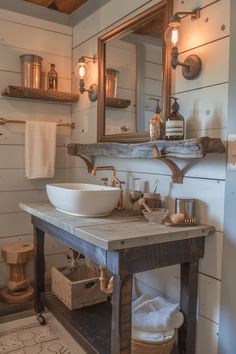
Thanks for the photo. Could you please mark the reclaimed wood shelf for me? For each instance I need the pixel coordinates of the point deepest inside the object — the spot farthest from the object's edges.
(185, 149)
(117, 102)
(39, 94)
(94, 336)
(161, 150)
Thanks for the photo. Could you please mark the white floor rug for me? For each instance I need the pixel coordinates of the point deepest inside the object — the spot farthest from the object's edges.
(27, 336)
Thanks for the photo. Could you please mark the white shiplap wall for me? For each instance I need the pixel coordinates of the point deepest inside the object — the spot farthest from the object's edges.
(204, 106)
(21, 34)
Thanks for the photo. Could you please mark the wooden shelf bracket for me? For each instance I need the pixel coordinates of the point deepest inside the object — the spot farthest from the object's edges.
(89, 164)
(73, 150)
(177, 173)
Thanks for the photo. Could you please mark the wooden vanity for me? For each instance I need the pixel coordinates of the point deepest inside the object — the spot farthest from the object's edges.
(125, 245)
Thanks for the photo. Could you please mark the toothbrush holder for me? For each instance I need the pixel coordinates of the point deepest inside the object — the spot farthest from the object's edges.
(153, 200)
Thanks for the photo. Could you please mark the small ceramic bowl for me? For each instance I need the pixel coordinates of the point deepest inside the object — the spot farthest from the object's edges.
(157, 216)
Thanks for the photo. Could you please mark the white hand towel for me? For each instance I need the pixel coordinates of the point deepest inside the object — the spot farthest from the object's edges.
(40, 149)
(156, 314)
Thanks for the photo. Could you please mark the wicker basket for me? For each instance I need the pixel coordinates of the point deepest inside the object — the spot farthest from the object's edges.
(162, 347)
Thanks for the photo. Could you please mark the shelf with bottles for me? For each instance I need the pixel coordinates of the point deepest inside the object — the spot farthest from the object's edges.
(39, 94)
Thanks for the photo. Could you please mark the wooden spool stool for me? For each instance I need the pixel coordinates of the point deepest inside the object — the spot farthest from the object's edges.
(16, 255)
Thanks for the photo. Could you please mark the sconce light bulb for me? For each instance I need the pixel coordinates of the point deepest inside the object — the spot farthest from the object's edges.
(171, 33)
(81, 72)
(174, 36)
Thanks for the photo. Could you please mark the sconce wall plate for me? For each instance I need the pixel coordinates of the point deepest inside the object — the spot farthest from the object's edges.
(93, 92)
(192, 67)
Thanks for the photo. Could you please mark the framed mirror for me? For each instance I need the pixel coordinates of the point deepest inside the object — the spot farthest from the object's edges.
(134, 71)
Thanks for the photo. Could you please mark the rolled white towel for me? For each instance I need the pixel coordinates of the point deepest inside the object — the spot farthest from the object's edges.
(152, 337)
(140, 300)
(156, 314)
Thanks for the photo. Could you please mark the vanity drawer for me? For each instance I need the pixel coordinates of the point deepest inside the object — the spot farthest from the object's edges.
(77, 291)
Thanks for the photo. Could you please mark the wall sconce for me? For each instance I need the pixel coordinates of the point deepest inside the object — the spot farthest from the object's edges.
(192, 65)
(81, 72)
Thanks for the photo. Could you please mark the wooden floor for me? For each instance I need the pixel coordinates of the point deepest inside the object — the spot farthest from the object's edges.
(9, 309)
(15, 312)
(15, 309)
(90, 326)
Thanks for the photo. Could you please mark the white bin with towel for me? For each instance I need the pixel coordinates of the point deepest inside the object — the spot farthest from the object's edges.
(154, 324)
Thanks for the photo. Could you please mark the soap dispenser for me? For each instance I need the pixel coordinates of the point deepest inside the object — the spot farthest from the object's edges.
(156, 123)
(175, 123)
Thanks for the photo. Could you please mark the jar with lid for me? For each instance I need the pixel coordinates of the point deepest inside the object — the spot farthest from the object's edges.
(31, 71)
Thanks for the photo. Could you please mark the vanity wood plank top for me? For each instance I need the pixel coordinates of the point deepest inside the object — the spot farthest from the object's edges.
(117, 231)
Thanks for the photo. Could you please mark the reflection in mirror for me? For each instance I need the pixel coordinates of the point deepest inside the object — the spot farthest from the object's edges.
(134, 71)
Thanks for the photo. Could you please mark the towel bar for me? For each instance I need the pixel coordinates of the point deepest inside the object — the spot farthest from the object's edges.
(59, 124)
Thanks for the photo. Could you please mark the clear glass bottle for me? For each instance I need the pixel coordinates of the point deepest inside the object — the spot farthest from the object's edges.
(175, 123)
(156, 123)
(52, 78)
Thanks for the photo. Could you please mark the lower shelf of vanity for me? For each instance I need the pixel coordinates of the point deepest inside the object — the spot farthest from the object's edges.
(90, 326)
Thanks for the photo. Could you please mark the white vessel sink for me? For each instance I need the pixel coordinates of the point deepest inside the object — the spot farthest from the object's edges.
(83, 199)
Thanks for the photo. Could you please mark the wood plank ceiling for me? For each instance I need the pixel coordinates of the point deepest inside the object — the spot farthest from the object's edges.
(65, 6)
(153, 28)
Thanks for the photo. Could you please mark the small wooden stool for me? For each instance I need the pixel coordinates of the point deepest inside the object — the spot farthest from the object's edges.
(16, 255)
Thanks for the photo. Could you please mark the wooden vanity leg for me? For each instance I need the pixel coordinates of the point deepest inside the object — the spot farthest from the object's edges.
(121, 315)
(39, 269)
(188, 305)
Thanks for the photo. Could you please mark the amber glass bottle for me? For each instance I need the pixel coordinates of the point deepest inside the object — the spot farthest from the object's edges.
(52, 78)
(156, 129)
(175, 123)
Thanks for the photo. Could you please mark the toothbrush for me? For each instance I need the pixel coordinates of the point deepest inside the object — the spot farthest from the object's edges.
(156, 185)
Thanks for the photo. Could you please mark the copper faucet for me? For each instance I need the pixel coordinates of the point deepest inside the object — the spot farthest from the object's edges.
(114, 181)
(105, 168)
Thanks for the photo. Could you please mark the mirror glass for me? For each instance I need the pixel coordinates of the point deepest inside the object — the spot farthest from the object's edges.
(133, 67)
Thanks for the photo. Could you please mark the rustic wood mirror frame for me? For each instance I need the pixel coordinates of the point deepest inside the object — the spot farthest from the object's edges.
(165, 6)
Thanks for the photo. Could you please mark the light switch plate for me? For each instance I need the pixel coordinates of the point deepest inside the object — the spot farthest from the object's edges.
(231, 160)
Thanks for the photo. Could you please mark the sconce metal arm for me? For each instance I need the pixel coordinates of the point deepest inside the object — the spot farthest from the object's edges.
(82, 88)
(177, 174)
(195, 14)
(92, 91)
(191, 67)
(175, 59)
(94, 58)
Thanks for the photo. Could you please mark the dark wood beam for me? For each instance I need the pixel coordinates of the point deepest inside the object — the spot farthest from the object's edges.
(67, 7)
